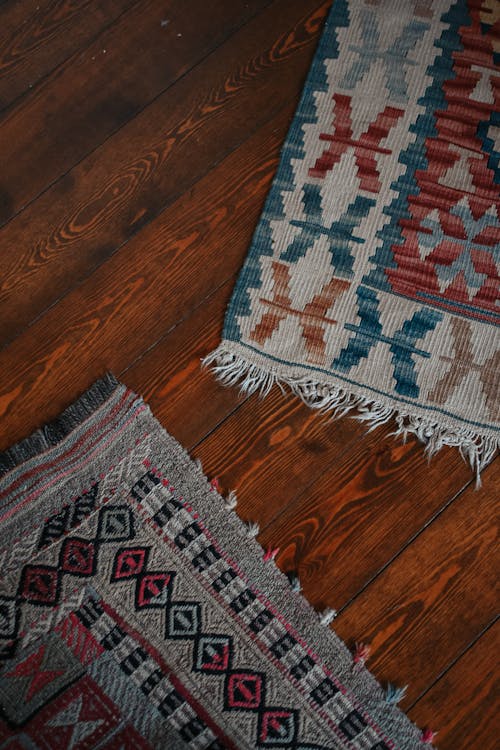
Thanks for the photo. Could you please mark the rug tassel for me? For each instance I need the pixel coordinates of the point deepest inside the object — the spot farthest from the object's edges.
(233, 369)
(197, 463)
(231, 500)
(270, 553)
(428, 736)
(214, 484)
(252, 529)
(361, 654)
(327, 616)
(394, 694)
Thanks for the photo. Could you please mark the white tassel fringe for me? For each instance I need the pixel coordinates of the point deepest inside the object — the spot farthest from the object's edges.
(232, 369)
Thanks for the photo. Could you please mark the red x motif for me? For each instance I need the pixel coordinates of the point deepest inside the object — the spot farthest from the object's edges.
(364, 148)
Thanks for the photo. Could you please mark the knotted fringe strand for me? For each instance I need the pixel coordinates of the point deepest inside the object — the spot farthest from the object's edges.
(235, 370)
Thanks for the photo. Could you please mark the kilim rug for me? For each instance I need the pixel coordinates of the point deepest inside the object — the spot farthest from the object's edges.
(372, 279)
(136, 611)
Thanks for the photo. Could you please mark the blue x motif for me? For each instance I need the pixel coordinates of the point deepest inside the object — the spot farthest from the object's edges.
(395, 58)
(340, 233)
(402, 343)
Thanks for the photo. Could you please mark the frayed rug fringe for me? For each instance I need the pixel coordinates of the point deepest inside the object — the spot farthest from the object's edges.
(234, 370)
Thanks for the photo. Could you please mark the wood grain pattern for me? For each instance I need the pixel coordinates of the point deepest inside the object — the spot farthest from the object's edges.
(120, 310)
(104, 201)
(102, 87)
(132, 183)
(464, 702)
(428, 594)
(35, 38)
(279, 460)
(169, 374)
(374, 504)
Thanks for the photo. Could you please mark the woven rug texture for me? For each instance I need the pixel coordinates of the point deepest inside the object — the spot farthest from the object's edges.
(138, 611)
(372, 281)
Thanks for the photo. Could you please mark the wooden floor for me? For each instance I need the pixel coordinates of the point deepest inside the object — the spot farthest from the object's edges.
(138, 141)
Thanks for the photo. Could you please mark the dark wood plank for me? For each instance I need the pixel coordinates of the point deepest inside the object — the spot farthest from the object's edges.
(185, 397)
(463, 704)
(100, 204)
(38, 35)
(142, 291)
(366, 505)
(100, 88)
(272, 449)
(424, 609)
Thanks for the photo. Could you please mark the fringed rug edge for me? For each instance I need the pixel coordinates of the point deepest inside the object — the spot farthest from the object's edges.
(232, 368)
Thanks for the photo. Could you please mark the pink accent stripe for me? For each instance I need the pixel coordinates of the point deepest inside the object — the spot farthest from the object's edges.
(263, 648)
(100, 502)
(97, 428)
(73, 468)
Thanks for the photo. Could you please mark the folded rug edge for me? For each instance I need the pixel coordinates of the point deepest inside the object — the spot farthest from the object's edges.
(53, 431)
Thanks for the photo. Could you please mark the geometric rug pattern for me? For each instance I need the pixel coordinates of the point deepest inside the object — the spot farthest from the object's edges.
(372, 280)
(136, 612)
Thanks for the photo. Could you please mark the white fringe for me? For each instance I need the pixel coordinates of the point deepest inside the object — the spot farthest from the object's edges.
(327, 616)
(232, 369)
(231, 500)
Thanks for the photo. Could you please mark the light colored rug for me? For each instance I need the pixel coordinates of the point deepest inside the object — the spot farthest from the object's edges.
(372, 279)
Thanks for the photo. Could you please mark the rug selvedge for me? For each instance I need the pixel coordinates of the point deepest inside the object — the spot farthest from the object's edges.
(146, 615)
(372, 281)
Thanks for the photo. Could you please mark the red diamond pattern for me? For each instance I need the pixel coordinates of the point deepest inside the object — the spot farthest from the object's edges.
(40, 584)
(78, 557)
(244, 690)
(129, 562)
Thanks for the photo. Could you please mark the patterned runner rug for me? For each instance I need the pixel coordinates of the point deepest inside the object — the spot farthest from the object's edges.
(137, 611)
(372, 279)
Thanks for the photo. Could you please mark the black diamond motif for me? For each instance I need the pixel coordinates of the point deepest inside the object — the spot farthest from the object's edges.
(130, 562)
(183, 620)
(153, 589)
(213, 653)
(78, 556)
(116, 524)
(278, 727)
(244, 690)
